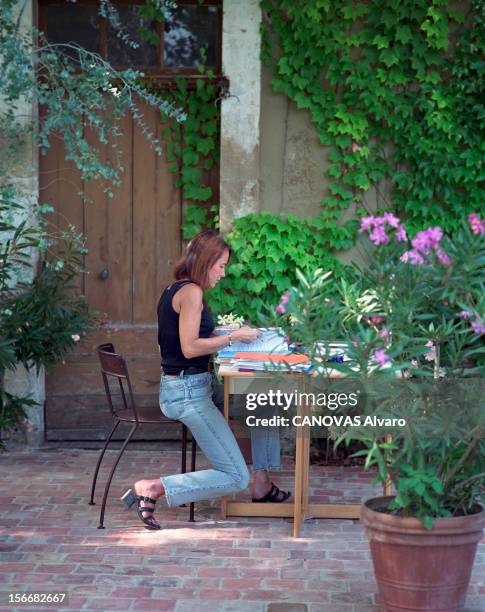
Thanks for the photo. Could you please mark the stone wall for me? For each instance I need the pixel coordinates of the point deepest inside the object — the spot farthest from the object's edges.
(293, 161)
(25, 176)
(240, 112)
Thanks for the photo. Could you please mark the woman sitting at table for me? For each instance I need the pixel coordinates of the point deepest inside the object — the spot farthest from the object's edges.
(185, 329)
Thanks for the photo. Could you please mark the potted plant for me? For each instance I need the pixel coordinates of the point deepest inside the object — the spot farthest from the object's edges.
(411, 320)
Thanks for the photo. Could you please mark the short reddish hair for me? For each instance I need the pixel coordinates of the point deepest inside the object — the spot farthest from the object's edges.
(200, 255)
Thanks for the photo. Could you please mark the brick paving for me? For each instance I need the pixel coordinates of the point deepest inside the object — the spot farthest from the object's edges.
(49, 543)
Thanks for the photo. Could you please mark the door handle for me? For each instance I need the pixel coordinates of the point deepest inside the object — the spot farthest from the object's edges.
(104, 274)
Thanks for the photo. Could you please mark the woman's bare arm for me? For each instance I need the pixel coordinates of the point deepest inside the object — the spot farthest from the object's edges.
(190, 303)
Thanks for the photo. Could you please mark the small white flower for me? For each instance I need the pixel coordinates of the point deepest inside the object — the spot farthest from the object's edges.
(230, 319)
(76, 337)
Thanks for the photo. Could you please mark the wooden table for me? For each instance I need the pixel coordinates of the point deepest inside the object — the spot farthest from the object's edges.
(300, 508)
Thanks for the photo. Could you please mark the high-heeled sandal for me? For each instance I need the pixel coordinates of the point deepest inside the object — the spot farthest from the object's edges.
(130, 498)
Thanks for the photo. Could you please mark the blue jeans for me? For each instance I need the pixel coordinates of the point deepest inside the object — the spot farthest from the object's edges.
(265, 441)
(189, 399)
(265, 448)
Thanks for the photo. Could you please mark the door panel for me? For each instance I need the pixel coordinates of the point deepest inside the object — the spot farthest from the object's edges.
(156, 214)
(136, 237)
(108, 229)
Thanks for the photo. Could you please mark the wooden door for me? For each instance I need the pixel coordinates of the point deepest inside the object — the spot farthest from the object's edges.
(133, 239)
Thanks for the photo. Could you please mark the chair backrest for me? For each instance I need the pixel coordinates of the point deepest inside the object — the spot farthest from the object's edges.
(113, 366)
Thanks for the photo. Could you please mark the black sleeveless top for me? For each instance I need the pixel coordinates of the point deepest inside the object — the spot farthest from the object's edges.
(173, 360)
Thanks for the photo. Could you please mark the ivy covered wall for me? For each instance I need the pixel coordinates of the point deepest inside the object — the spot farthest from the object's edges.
(393, 92)
(372, 106)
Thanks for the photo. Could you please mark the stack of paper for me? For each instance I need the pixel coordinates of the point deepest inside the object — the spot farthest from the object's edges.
(272, 340)
(269, 352)
(273, 361)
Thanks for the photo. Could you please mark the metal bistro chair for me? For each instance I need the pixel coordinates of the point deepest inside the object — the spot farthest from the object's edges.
(114, 366)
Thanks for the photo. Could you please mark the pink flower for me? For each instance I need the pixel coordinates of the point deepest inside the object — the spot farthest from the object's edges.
(430, 355)
(377, 228)
(366, 223)
(476, 224)
(413, 257)
(427, 239)
(478, 326)
(378, 235)
(415, 363)
(391, 220)
(380, 356)
(384, 333)
(285, 298)
(416, 258)
(400, 234)
(424, 242)
(463, 314)
(435, 234)
(374, 320)
(442, 257)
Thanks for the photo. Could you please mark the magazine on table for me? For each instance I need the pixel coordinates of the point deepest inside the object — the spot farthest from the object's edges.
(271, 341)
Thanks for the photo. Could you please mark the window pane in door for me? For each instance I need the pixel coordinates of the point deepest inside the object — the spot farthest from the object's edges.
(120, 53)
(187, 30)
(73, 23)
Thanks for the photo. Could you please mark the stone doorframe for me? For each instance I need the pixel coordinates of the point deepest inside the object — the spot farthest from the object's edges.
(240, 112)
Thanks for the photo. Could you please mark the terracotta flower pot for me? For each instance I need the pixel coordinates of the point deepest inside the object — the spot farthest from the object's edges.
(420, 569)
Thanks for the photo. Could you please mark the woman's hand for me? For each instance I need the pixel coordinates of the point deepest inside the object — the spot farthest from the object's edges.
(245, 334)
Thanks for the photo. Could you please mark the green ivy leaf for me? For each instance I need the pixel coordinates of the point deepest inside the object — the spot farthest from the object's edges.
(389, 57)
(201, 194)
(205, 145)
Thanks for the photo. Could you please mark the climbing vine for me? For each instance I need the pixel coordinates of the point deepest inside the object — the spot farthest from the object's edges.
(266, 252)
(394, 89)
(193, 149)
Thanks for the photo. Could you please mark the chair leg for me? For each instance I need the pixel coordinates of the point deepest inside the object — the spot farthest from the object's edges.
(100, 459)
(183, 467)
(192, 469)
(184, 448)
(106, 489)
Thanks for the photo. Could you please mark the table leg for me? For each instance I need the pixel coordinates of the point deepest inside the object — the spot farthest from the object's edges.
(306, 433)
(302, 470)
(305, 470)
(227, 384)
(297, 504)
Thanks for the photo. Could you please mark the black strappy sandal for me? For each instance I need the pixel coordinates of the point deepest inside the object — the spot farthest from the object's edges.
(273, 496)
(130, 498)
